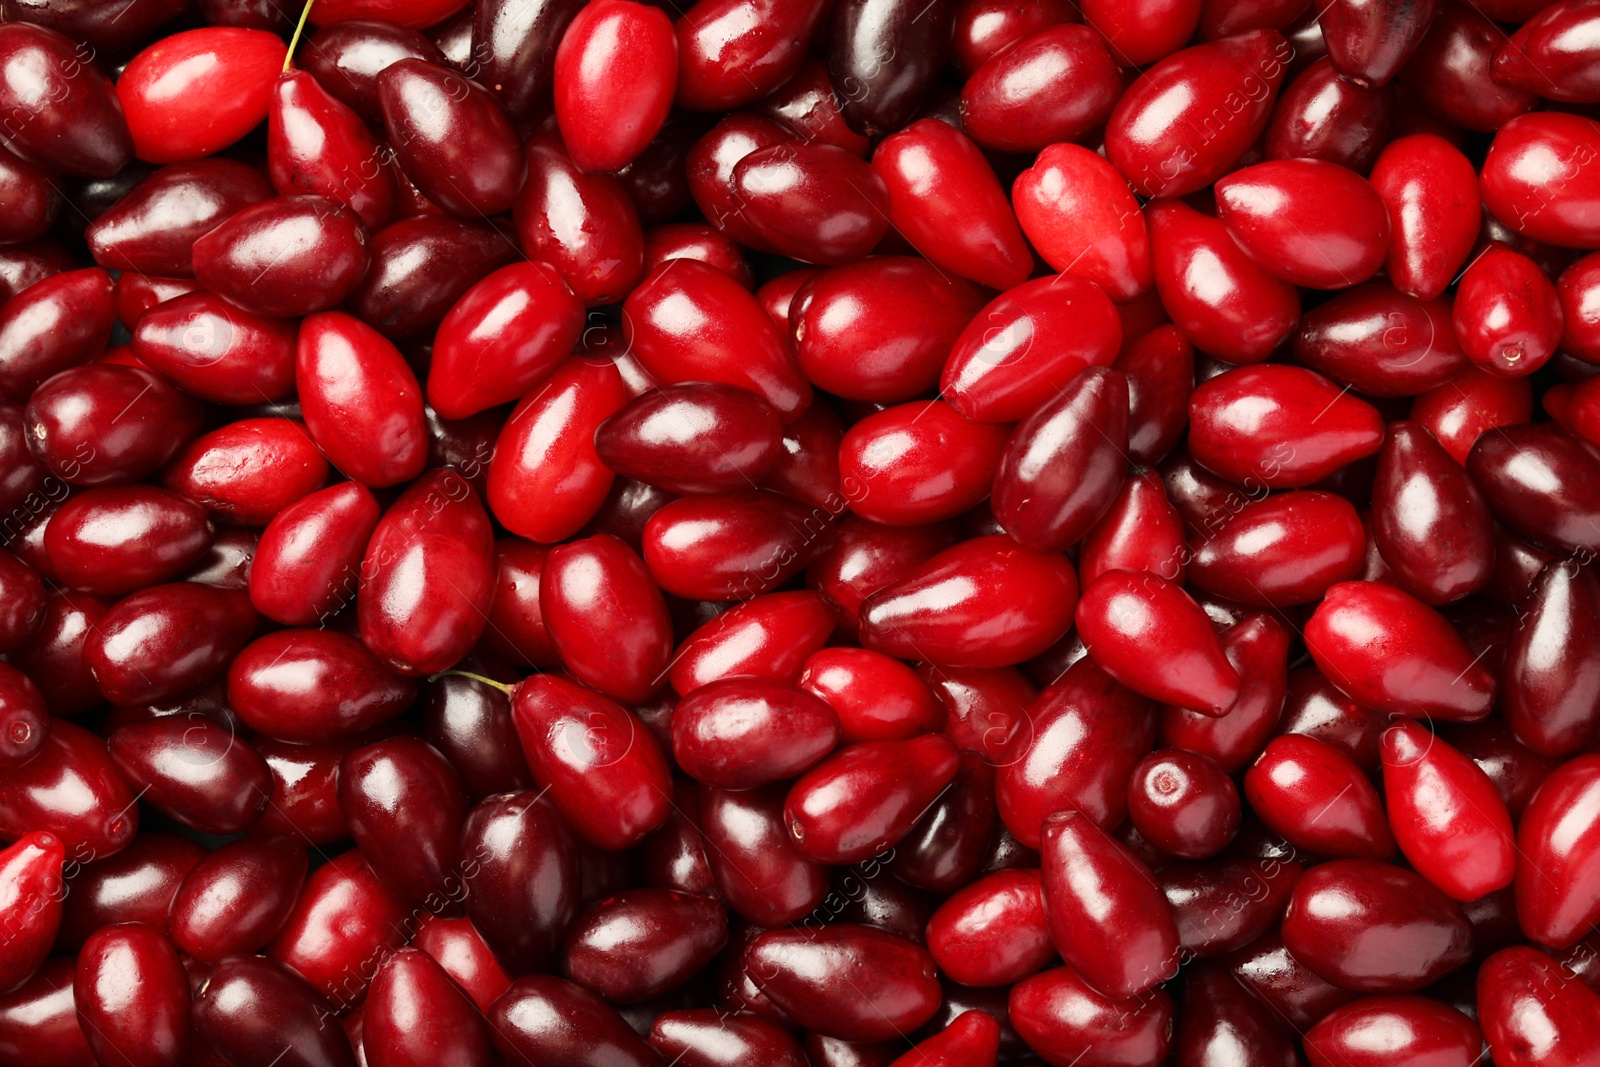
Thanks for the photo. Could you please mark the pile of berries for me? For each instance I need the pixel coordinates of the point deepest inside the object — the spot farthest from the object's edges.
(799, 533)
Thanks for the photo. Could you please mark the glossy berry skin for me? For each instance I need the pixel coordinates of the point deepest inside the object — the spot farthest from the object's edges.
(730, 546)
(545, 479)
(1507, 313)
(584, 225)
(24, 717)
(504, 336)
(361, 402)
(133, 995)
(61, 322)
(1106, 914)
(1310, 222)
(406, 806)
(152, 229)
(217, 352)
(1532, 1010)
(741, 732)
(1393, 653)
(1075, 746)
(1148, 137)
(306, 565)
(1140, 531)
(451, 138)
(705, 1037)
(1429, 520)
(1405, 1030)
(1183, 804)
(524, 892)
(236, 898)
(1549, 56)
(1458, 412)
(892, 983)
(318, 146)
(1317, 797)
(1372, 928)
(816, 203)
(1557, 896)
(138, 884)
(604, 771)
(54, 655)
(919, 463)
(1283, 549)
(994, 931)
(285, 257)
(428, 576)
(730, 55)
(545, 1019)
(194, 771)
(199, 91)
(1080, 215)
(114, 540)
(984, 29)
(1219, 1019)
(1576, 288)
(1527, 186)
(1545, 700)
(69, 789)
(251, 1004)
(1381, 341)
(697, 437)
(983, 603)
(867, 796)
(1149, 635)
(607, 122)
(710, 164)
(74, 432)
(308, 686)
(1322, 116)
(1431, 192)
(1280, 426)
(768, 636)
(944, 199)
(22, 593)
(344, 915)
(1369, 40)
(753, 858)
(642, 943)
(1008, 106)
(167, 641)
(39, 1020)
(866, 557)
(32, 890)
(65, 112)
(876, 698)
(1553, 507)
(461, 951)
(1223, 904)
(1221, 299)
(1063, 465)
(606, 617)
(1450, 822)
(879, 329)
(1065, 1019)
(1028, 344)
(420, 267)
(415, 1014)
(246, 472)
(689, 321)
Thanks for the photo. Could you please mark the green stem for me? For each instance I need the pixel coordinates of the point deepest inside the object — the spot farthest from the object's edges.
(503, 687)
(305, 12)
